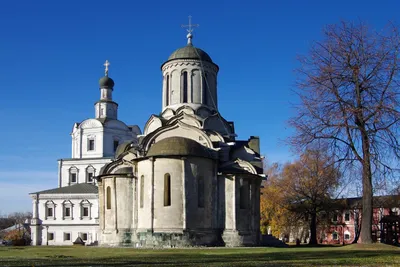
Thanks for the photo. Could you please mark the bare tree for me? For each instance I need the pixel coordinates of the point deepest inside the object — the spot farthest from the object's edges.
(349, 90)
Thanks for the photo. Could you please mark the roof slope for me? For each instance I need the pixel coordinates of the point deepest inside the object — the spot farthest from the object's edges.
(179, 146)
(190, 52)
(72, 189)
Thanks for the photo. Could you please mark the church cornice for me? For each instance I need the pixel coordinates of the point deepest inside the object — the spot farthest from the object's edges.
(67, 196)
(189, 62)
(86, 159)
(106, 101)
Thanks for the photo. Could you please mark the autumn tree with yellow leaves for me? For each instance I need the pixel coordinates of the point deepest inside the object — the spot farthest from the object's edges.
(298, 192)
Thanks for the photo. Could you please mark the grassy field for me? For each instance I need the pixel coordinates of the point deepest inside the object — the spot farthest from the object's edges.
(352, 255)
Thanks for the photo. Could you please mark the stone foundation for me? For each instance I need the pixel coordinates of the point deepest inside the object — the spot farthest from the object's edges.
(234, 238)
(151, 239)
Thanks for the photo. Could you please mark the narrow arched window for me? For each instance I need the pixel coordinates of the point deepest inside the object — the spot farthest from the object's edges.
(108, 197)
(167, 91)
(167, 189)
(184, 87)
(244, 194)
(205, 89)
(141, 190)
(200, 192)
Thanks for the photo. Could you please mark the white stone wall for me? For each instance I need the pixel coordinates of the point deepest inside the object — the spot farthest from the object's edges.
(103, 135)
(76, 213)
(230, 202)
(168, 218)
(111, 135)
(124, 201)
(109, 221)
(65, 166)
(200, 217)
(74, 231)
(59, 223)
(145, 168)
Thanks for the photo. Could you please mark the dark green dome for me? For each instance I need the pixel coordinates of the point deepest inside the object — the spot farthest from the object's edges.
(190, 52)
(179, 146)
(106, 82)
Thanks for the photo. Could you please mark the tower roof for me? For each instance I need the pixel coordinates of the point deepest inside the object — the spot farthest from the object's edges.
(106, 82)
(190, 52)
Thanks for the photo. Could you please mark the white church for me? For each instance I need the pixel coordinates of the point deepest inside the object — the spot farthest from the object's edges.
(62, 214)
(185, 181)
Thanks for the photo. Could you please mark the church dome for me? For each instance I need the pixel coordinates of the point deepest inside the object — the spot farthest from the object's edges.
(106, 82)
(179, 146)
(190, 52)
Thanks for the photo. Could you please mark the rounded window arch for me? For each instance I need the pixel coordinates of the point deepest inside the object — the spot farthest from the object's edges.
(73, 175)
(167, 89)
(108, 197)
(90, 173)
(142, 191)
(167, 190)
(184, 86)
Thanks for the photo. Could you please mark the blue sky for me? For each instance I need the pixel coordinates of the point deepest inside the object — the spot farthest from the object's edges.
(52, 55)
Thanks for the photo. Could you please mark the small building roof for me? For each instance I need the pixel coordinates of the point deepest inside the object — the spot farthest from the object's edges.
(72, 189)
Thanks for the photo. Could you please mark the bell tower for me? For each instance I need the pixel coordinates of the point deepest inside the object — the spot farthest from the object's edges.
(106, 108)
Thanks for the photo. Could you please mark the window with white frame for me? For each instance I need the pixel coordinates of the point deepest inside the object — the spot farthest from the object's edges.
(347, 235)
(84, 236)
(50, 210)
(67, 236)
(73, 175)
(347, 216)
(335, 217)
(91, 143)
(335, 236)
(85, 209)
(50, 236)
(67, 209)
(90, 171)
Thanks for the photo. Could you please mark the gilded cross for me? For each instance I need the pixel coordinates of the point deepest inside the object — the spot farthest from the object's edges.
(106, 64)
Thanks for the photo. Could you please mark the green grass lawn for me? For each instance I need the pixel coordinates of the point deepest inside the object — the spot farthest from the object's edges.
(352, 255)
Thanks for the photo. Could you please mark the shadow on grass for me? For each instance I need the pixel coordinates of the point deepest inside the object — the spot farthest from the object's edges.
(203, 258)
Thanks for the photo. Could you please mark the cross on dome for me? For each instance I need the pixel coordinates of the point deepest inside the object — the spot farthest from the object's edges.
(190, 29)
(106, 64)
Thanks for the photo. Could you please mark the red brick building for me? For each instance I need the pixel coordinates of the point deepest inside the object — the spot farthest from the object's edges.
(345, 222)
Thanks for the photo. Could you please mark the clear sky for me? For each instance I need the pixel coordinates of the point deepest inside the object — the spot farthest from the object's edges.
(52, 55)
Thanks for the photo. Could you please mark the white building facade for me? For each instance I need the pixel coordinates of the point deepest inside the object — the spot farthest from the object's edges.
(63, 214)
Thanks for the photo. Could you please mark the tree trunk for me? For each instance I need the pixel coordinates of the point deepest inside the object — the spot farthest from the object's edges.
(313, 229)
(357, 227)
(366, 216)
